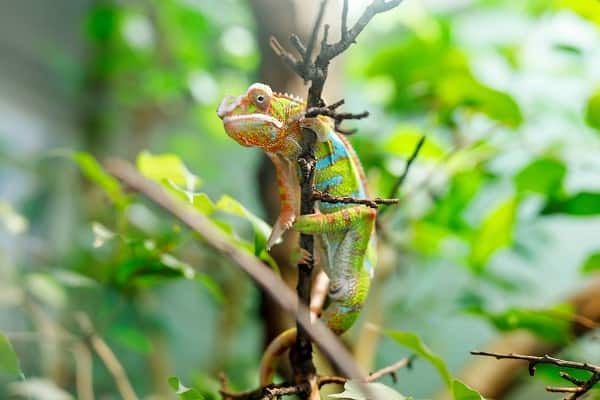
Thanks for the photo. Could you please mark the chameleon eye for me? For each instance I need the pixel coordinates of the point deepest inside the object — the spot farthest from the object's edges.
(260, 98)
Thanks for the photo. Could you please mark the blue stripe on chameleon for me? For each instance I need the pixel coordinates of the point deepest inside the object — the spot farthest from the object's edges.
(333, 181)
(349, 309)
(339, 152)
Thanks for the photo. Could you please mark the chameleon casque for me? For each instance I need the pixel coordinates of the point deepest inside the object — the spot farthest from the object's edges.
(344, 233)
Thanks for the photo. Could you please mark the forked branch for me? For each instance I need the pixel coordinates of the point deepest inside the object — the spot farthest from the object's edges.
(581, 386)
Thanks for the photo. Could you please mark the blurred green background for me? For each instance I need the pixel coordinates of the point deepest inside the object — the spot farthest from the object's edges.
(497, 229)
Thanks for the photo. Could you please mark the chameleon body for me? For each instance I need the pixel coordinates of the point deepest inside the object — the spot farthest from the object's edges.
(344, 233)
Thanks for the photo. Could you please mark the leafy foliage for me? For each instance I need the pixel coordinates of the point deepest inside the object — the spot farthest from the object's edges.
(183, 392)
(459, 390)
(9, 364)
(552, 324)
(591, 264)
(352, 391)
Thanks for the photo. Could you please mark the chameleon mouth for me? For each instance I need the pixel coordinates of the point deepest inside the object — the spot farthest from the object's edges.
(228, 104)
(252, 118)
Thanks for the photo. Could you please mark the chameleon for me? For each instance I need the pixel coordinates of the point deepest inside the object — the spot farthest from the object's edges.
(344, 233)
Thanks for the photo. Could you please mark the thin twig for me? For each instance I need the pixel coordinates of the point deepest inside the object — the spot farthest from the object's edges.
(581, 388)
(409, 163)
(108, 357)
(390, 370)
(373, 203)
(83, 372)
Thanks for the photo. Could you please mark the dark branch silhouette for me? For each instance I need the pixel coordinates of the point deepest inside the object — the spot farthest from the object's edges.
(315, 71)
(581, 386)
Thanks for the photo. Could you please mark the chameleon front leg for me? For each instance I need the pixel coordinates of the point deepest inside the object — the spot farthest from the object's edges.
(345, 236)
(289, 196)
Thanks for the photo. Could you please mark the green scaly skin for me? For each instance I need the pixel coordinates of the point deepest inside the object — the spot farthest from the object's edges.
(344, 233)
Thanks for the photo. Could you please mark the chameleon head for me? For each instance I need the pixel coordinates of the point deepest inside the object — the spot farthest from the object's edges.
(252, 119)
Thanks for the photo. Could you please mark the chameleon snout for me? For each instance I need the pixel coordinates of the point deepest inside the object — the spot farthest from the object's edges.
(228, 104)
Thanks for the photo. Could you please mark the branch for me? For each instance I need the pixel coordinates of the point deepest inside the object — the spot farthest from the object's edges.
(316, 72)
(108, 357)
(286, 389)
(373, 203)
(338, 117)
(262, 275)
(581, 388)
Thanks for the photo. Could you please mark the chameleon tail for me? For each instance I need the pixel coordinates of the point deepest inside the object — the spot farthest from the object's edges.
(276, 348)
(339, 317)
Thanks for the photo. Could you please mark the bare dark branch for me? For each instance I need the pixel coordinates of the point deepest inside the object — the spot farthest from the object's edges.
(581, 388)
(373, 203)
(409, 163)
(315, 72)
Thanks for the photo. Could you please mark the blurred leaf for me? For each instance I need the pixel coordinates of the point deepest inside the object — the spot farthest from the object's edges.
(435, 74)
(45, 288)
(463, 90)
(102, 22)
(207, 385)
(449, 209)
(352, 391)
(262, 230)
(551, 324)
(461, 391)
(427, 237)
(38, 389)
(73, 279)
(186, 270)
(589, 9)
(544, 176)
(101, 234)
(592, 110)
(582, 203)
(169, 168)
(92, 170)
(591, 264)
(414, 343)
(495, 232)
(550, 374)
(403, 140)
(131, 337)
(184, 393)
(171, 172)
(11, 220)
(9, 363)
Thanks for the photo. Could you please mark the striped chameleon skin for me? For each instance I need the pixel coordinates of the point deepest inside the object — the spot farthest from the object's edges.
(344, 233)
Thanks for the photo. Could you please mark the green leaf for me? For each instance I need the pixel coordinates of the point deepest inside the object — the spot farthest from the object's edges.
(404, 139)
(449, 209)
(414, 343)
(131, 337)
(495, 232)
(93, 171)
(352, 391)
(188, 272)
(9, 363)
(184, 393)
(544, 176)
(460, 391)
(582, 204)
(262, 230)
(167, 168)
(551, 324)
(462, 90)
(591, 264)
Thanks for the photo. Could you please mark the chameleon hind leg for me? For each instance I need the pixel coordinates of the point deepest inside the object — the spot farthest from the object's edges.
(345, 235)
